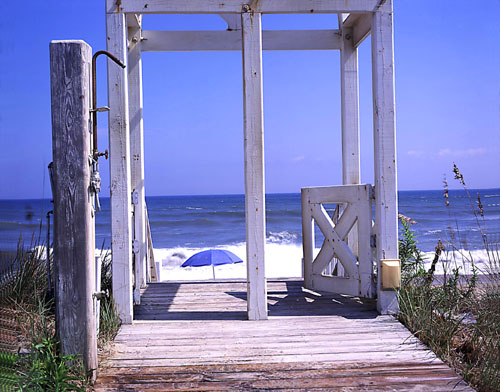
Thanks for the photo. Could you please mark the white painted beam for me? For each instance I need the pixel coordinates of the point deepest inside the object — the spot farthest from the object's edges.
(253, 128)
(231, 40)
(137, 153)
(361, 26)
(235, 6)
(384, 127)
(362, 29)
(119, 163)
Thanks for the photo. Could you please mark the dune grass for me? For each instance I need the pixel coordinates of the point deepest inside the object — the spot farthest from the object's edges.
(29, 355)
(456, 315)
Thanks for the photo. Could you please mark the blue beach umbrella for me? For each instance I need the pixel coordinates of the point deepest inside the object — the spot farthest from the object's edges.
(212, 257)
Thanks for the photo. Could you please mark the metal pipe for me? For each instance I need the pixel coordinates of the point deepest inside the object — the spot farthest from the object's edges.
(95, 109)
(48, 250)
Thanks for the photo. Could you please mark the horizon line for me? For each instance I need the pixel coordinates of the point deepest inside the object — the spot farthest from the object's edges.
(271, 193)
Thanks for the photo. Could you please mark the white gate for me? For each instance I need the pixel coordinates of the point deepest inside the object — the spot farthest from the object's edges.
(354, 260)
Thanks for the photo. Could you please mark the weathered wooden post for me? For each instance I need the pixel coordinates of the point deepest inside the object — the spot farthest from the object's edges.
(74, 261)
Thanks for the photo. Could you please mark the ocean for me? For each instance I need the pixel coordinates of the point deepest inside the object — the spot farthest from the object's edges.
(184, 225)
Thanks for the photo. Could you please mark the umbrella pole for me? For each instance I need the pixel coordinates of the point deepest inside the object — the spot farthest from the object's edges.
(213, 269)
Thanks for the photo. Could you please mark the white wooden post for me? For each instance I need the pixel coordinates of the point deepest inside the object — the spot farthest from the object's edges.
(74, 240)
(254, 164)
(350, 111)
(386, 208)
(137, 152)
(119, 149)
(350, 121)
(307, 239)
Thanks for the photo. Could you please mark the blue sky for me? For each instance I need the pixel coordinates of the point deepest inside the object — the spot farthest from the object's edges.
(447, 101)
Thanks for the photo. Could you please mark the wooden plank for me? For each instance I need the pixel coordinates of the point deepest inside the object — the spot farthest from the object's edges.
(282, 324)
(254, 165)
(257, 349)
(240, 373)
(74, 232)
(303, 338)
(331, 325)
(119, 167)
(236, 6)
(333, 194)
(134, 68)
(230, 311)
(232, 40)
(291, 386)
(273, 323)
(341, 284)
(375, 356)
(384, 124)
(216, 299)
(201, 339)
(270, 343)
(316, 366)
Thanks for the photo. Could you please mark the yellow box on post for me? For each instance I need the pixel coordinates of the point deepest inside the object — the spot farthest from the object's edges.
(391, 274)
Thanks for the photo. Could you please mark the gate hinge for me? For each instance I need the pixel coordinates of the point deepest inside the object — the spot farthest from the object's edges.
(372, 192)
(135, 246)
(135, 198)
(373, 240)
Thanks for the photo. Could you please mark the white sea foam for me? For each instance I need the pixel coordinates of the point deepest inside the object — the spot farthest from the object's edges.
(463, 260)
(284, 260)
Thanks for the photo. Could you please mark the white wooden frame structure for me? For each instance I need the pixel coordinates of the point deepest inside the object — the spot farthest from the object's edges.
(127, 40)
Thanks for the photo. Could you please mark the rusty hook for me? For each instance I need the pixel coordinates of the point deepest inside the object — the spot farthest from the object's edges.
(95, 109)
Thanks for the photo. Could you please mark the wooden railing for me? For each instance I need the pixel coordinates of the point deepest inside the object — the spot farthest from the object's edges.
(150, 257)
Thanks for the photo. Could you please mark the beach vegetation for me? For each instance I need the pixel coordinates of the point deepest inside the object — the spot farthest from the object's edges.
(457, 314)
(110, 322)
(30, 359)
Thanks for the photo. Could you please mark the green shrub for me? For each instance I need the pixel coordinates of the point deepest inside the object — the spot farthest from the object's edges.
(8, 371)
(46, 370)
(109, 319)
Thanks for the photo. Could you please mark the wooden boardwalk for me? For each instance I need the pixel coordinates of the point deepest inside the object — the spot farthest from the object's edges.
(194, 337)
